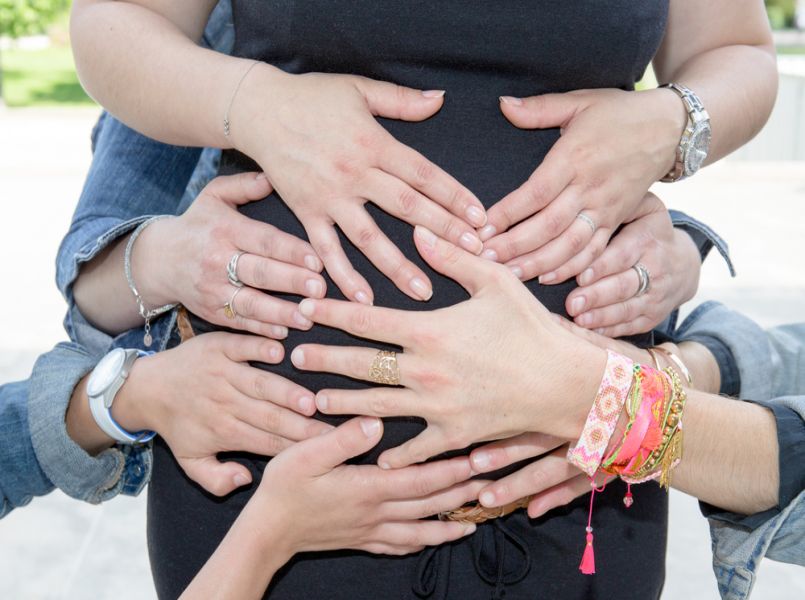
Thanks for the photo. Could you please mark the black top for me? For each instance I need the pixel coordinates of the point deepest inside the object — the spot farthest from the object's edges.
(476, 51)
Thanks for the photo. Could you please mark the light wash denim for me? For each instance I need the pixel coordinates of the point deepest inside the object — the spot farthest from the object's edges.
(772, 370)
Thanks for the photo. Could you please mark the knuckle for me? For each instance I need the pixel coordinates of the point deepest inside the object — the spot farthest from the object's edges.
(407, 202)
(424, 171)
(259, 388)
(450, 230)
(247, 304)
(382, 405)
(360, 321)
(366, 237)
(576, 242)
(536, 194)
(553, 224)
(513, 247)
(272, 421)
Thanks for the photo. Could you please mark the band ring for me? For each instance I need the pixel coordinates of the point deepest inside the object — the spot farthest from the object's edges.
(644, 278)
(232, 269)
(385, 369)
(587, 220)
(229, 307)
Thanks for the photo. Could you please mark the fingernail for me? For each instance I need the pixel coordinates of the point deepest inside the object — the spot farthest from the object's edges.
(586, 277)
(511, 100)
(240, 480)
(426, 235)
(469, 529)
(314, 288)
(370, 427)
(307, 307)
(421, 289)
(600, 331)
(518, 272)
(298, 357)
(275, 354)
(322, 402)
(488, 232)
(306, 404)
(584, 320)
(278, 331)
(487, 499)
(300, 320)
(261, 176)
(577, 305)
(313, 263)
(471, 242)
(476, 216)
(480, 460)
(547, 278)
(433, 93)
(490, 254)
(363, 298)
(384, 465)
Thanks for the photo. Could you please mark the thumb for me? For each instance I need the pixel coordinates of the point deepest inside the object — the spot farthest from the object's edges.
(239, 189)
(214, 476)
(471, 271)
(329, 450)
(541, 112)
(398, 102)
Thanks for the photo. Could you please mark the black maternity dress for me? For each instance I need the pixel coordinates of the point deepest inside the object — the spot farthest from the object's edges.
(476, 51)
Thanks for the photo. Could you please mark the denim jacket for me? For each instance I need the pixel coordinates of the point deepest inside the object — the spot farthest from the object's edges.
(771, 366)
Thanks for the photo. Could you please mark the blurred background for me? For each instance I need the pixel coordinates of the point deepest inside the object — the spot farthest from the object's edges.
(60, 548)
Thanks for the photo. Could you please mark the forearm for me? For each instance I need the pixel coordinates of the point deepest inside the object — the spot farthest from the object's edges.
(149, 73)
(81, 426)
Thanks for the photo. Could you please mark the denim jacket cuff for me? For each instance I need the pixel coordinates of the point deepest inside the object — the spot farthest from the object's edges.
(703, 236)
(66, 464)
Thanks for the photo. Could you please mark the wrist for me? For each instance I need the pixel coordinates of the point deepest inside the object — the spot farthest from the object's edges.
(584, 379)
(671, 118)
(273, 523)
(136, 405)
(256, 102)
(151, 263)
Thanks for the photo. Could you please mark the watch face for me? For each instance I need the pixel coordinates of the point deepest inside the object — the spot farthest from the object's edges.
(698, 147)
(106, 371)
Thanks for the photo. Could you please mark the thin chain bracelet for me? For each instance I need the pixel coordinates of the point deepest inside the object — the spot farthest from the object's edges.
(144, 312)
(235, 93)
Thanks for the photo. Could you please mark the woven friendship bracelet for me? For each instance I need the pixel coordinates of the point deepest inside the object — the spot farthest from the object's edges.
(603, 417)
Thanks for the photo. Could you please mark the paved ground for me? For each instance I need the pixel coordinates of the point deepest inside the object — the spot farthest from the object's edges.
(58, 548)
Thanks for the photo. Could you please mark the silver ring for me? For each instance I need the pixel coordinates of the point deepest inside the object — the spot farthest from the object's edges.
(232, 269)
(587, 220)
(644, 277)
(229, 307)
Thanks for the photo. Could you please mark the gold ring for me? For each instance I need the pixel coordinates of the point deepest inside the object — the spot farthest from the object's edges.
(229, 307)
(385, 369)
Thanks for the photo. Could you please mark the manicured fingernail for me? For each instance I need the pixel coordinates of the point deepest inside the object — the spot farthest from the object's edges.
(313, 263)
(584, 320)
(300, 319)
(384, 465)
(298, 357)
(240, 480)
(279, 332)
(547, 277)
(307, 404)
(487, 499)
(487, 232)
(363, 298)
(470, 242)
(261, 177)
(322, 401)
(426, 235)
(586, 277)
(480, 460)
(421, 289)
(511, 100)
(370, 426)
(433, 93)
(490, 254)
(577, 305)
(314, 288)
(469, 529)
(476, 216)
(518, 272)
(307, 307)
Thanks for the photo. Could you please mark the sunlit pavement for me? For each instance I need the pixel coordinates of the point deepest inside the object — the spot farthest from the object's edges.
(59, 548)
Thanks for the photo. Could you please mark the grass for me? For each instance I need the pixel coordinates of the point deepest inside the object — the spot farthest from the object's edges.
(41, 78)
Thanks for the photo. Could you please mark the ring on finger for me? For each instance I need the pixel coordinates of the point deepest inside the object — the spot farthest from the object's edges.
(385, 369)
(229, 307)
(644, 277)
(232, 269)
(587, 219)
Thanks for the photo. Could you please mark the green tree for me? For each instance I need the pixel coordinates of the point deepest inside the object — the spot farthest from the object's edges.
(27, 17)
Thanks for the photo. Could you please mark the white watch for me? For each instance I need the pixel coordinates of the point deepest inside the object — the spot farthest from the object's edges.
(104, 383)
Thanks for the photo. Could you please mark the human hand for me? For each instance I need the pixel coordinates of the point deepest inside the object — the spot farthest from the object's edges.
(203, 397)
(491, 367)
(331, 505)
(185, 260)
(317, 139)
(614, 145)
(551, 481)
(607, 300)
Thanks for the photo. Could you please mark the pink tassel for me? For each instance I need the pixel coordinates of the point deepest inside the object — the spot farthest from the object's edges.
(587, 565)
(627, 499)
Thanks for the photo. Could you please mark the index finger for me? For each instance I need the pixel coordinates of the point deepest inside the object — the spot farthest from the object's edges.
(369, 322)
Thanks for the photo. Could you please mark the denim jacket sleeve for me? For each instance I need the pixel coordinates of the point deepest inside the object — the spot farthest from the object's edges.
(771, 373)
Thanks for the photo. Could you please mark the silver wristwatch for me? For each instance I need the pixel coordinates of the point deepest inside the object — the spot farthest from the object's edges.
(695, 141)
(105, 382)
